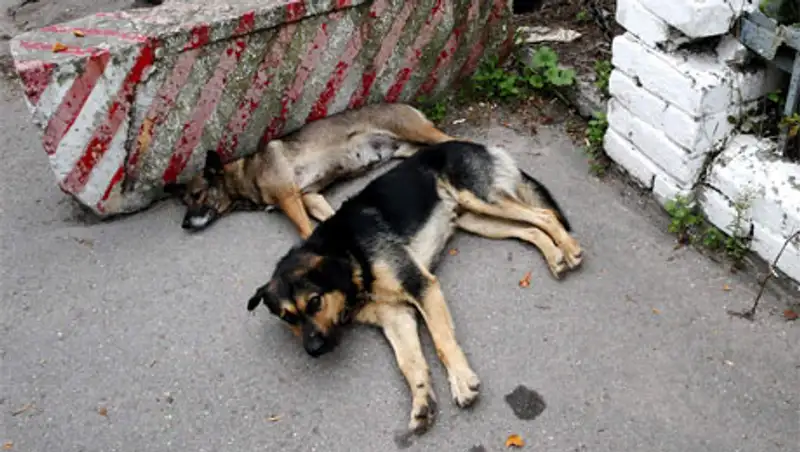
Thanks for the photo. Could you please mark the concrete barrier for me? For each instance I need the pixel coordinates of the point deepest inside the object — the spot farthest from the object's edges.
(129, 101)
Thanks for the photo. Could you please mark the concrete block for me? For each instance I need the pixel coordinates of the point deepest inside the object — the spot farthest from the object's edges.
(700, 18)
(696, 135)
(768, 244)
(698, 84)
(749, 171)
(128, 101)
(642, 23)
(656, 145)
(630, 158)
(666, 188)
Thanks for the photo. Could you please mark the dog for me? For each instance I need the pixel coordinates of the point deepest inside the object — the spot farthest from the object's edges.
(291, 171)
(372, 262)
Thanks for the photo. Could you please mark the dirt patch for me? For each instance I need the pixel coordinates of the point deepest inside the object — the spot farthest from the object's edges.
(593, 19)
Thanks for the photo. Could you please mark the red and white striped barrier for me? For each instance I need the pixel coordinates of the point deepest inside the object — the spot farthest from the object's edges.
(129, 101)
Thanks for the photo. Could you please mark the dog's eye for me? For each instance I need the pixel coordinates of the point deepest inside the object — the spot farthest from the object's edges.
(313, 305)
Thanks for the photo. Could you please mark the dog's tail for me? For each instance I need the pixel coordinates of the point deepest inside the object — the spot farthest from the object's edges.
(535, 193)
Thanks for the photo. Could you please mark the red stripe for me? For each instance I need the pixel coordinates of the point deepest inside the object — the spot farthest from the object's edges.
(477, 51)
(73, 101)
(35, 76)
(209, 97)
(320, 108)
(198, 37)
(116, 179)
(69, 50)
(255, 92)
(163, 102)
(95, 32)
(312, 56)
(343, 3)
(415, 52)
(104, 134)
(359, 97)
(446, 55)
(295, 10)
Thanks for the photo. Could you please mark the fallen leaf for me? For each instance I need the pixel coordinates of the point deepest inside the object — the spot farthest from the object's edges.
(525, 281)
(656, 311)
(22, 410)
(726, 287)
(546, 120)
(453, 252)
(514, 441)
(8, 445)
(103, 411)
(78, 33)
(274, 418)
(789, 314)
(58, 47)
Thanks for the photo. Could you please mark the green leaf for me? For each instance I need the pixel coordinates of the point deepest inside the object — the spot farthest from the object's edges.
(544, 57)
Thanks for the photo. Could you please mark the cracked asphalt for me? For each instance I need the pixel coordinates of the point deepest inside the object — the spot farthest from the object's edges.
(132, 335)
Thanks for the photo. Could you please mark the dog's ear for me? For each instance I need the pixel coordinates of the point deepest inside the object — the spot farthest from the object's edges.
(265, 294)
(213, 167)
(175, 189)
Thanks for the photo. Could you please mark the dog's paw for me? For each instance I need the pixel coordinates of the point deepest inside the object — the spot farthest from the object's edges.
(465, 386)
(557, 263)
(423, 413)
(573, 255)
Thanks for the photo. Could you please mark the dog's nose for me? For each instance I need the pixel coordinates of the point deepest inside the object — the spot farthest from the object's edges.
(314, 344)
(187, 223)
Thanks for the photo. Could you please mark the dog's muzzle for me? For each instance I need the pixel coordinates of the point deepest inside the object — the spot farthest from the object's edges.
(198, 219)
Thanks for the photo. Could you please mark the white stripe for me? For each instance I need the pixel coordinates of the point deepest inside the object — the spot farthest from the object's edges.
(318, 80)
(93, 113)
(103, 171)
(53, 94)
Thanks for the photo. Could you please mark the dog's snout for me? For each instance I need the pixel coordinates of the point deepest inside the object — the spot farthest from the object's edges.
(315, 344)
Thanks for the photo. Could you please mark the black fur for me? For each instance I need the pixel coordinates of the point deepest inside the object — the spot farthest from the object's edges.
(548, 199)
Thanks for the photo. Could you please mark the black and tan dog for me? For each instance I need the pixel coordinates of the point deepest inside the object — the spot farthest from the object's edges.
(372, 261)
(291, 171)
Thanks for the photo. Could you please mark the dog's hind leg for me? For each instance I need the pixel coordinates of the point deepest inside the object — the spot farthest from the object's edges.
(399, 325)
(318, 206)
(277, 182)
(494, 228)
(428, 296)
(544, 219)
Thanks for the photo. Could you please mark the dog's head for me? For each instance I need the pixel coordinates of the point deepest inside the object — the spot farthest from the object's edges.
(205, 195)
(314, 294)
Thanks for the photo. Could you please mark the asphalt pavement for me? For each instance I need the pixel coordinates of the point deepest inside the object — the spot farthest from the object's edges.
(132, 335)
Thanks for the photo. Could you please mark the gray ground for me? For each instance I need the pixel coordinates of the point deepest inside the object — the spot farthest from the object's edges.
(141, 322)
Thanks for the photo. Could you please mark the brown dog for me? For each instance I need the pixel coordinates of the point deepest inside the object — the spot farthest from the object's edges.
(373, 260)
(291, 171)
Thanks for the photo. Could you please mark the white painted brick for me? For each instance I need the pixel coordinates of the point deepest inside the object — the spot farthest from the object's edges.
(639, 21)
(698, 84)
(768, 244)
(697, 135)
(666, 188)
(700, 18)
(731, 51)
(720, 211)
(655, 144)
(631, 159)
(748, 167)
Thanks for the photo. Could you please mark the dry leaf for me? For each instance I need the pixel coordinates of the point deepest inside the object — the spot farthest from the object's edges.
(453, 252)
(58, 47)
(515, 441)
(274, 418)
(656, 311)
(8, 445)
(78, 33)
(726, 287)
(102, 411)
(789, 314)
(525, 281)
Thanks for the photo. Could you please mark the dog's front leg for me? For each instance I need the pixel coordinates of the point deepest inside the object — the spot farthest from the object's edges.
(399, 325)
(464, 383)
(318, 206)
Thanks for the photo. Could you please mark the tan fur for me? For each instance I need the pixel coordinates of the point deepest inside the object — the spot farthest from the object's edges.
(287, 170)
